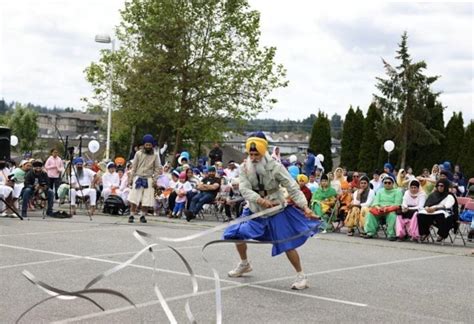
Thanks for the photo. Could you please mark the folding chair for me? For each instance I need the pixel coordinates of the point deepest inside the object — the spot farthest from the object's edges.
(210, 209)
(464, 227)
(383, 226)
(331, 217)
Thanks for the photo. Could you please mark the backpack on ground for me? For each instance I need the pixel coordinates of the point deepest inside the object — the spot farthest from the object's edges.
(114, 205)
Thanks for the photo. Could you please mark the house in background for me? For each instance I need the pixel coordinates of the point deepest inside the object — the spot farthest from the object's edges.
(73, 124)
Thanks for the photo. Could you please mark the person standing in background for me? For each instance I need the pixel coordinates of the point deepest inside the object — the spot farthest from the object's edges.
(54, 167)
(215, 154)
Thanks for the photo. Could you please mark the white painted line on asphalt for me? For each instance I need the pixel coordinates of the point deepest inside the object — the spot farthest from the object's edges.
(56, 232)
(181, 297)
(363, 266)
(300, 294)
(92, 258)
(34, 263)
(40, 251)
(236, 284)
(156, 250)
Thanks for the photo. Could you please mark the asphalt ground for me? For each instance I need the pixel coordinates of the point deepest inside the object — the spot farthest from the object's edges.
(352, 280)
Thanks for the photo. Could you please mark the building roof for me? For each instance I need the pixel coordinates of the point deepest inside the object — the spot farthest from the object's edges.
(74, 115)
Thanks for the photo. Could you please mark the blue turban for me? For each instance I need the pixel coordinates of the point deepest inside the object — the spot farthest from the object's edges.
(388, 166)
(78, 160)
(447, 166)
(148, 139)
(259, 134)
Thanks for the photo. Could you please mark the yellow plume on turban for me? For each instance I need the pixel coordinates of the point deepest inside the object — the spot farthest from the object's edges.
(256, 143)
(303, 177)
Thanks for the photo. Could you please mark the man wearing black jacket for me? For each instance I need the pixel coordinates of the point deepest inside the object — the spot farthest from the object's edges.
(215, 154)
(36, 182)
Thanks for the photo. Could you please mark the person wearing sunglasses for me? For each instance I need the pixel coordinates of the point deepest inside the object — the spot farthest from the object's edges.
(441, 210)
(387, 201)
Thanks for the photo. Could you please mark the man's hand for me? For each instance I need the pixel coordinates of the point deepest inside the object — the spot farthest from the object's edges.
(309, 213)
(265, 203)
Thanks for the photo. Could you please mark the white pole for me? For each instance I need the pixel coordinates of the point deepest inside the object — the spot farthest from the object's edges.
(109, 110)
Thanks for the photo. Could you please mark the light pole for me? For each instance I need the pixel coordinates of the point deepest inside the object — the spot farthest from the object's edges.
(106, 39)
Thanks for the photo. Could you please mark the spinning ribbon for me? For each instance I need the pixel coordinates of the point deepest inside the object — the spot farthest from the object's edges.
(141, 237)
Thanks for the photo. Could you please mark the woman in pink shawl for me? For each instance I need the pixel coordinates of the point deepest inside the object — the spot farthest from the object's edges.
(276, 154)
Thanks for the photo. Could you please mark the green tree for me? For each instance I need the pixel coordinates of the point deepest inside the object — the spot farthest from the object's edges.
(403, 99)
(186, 66)
(352, 134)
(425, 156)
(371, 145)
(347, 137)
(454, 136)
(320, 140)
(23, 124)
(466, 156)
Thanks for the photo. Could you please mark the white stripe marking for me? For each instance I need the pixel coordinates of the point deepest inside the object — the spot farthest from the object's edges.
(34, 263)
(236, 284)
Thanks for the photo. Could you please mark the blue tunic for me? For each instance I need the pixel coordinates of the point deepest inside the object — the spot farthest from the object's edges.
(288, 223)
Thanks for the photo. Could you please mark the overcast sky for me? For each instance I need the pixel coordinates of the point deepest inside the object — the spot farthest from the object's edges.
(332, 51)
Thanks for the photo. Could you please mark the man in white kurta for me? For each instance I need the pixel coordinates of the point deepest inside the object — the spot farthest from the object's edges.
(82, 184)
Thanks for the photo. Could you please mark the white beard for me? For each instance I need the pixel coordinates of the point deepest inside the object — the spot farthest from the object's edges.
(258, 167)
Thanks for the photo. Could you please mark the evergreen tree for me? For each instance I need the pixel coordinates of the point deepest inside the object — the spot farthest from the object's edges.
(371, 144)
(403, 100)
(466, 155)
(320, 140)
(454, 137)
(352, 134)
(358, 135)
(347, 137)
(425, 156)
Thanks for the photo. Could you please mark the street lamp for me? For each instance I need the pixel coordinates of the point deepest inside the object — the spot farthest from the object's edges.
(106, 39)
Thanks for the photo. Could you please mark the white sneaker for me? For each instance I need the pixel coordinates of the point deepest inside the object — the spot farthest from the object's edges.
(240, 270)
(300, 283)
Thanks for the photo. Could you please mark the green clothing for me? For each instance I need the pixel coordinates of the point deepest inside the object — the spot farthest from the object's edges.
(323, 194)
(19, 175)
(384, 198)
(323, 200)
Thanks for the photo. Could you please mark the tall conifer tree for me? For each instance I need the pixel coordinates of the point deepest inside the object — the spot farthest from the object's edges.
(403, 100)
(371, 144)
(320, 141)
(466, 155)
(454, 138)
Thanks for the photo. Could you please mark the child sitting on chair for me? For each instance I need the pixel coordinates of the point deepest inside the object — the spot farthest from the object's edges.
(181, 189)
(345, 200)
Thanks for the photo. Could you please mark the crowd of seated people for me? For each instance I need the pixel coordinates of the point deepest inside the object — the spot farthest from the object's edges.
(406, 206)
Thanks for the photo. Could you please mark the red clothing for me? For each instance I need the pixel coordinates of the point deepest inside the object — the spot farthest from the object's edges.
(307, 193)
(354, 184)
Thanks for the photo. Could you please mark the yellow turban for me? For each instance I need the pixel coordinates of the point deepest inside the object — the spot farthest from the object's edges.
(303, 177)
(258, 144)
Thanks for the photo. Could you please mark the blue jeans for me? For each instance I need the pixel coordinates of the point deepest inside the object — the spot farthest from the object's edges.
(199, 200)
(28, 193)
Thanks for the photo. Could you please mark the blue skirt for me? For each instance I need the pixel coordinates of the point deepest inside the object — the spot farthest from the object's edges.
(288, 223)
